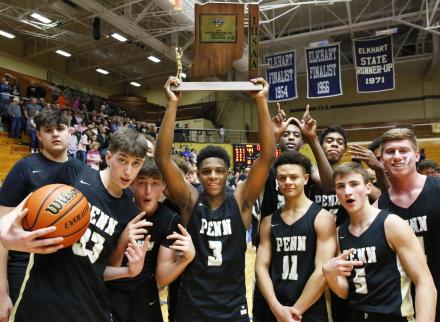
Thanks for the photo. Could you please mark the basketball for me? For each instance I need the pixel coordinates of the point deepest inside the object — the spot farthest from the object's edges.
(58, 205)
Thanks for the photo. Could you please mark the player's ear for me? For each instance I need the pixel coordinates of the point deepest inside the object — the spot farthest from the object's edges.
(368, 185)
(108, 156)
(306, 178)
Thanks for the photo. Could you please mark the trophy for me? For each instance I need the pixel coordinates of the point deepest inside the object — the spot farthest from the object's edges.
(219, 35)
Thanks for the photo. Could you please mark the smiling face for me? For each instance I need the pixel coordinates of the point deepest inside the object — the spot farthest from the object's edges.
(334, 147)
(291, 138)
(213, 174)
(352, 191)
(123, 169)
(147, 192)
(399, 158)
(291, 180)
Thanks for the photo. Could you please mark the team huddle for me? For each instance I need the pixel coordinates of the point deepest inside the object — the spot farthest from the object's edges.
(333, 245)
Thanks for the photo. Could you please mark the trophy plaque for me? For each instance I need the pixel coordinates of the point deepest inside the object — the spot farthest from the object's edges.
(219, 36)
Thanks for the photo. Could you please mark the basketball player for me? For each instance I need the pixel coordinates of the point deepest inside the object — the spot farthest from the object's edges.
(380, 256)
(412, 196)
(295, 241)
(25, 176)
(137, 299)
(213, 287)
(72, 279)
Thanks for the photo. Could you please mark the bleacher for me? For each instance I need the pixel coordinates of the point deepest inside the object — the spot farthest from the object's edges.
(10, 152)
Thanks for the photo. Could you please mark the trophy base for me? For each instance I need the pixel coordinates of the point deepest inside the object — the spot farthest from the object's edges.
(217, 86)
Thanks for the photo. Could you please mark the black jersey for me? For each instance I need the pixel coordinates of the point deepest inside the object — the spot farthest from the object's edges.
(26, 175)
(164, 222)
(423, 216)
(213, 286)
(68, 285)
(293, 260)
(381, 285)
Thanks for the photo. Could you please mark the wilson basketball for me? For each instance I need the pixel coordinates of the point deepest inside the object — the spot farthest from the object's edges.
(58, 205)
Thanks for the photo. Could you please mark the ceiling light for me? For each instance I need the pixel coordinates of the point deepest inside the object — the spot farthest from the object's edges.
(6, 34)
(319, 43)
(154, 59)
(41, 18)
(135, 84)
(118, 37)
(63, 53)
(102, 71)
(386, 32)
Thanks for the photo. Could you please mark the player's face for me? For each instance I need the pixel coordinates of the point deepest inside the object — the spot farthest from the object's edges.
(291, 139)
(147, 192)
(428, 172)
(291, 180)
(399, 158)
(54, 138)
(213, 175)
(123, 168)
(333, 147)
(352, 191)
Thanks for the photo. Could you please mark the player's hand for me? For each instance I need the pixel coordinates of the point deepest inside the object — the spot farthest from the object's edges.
(308, 125)
(173, 97)
(183, 244)
(5, 307)
(263, 93)
(340, 265)
(363, 154)
(14, 237)
(280, 123)
(137, 228)
(286, 314)
(135, 254)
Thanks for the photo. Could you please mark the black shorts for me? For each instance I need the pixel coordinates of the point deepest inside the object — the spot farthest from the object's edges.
(137, 305)
(357, 316)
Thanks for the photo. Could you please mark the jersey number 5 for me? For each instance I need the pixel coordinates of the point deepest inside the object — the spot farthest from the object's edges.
(360, 281)
(290, 267)
(216, 259)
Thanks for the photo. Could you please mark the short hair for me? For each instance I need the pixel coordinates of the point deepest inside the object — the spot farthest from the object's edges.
(49, 117)
(94, 144)
(332, 129)
(426, 164)
(128, 141)
(181, 163)
(150, 170)
(398, 134)
(212, 151)
(294, 157)
(374, 145)
(350, 167)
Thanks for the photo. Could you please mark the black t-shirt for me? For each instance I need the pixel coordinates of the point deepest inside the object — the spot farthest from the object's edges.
(68, 285)
(164, 222)
(27, 175)
(423, 216)
(213, 287)
(293, 260)
(379, 286)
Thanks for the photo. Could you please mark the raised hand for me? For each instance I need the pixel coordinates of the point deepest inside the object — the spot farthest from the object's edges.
(263, 93)
(135, 254)
(172, 96)
(136, 228)
(363, 154)
(340, 265)
(280, 123)
(14, 237)
(308, 125)
(183, 243)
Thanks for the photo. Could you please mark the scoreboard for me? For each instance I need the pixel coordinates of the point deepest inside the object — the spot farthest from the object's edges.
(245, 154)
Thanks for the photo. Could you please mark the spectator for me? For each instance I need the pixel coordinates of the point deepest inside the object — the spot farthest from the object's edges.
(82, 147)
(93, 156)
(427, 167)
(222, 133)
(31, 90)
(14, 111)
(72, 145)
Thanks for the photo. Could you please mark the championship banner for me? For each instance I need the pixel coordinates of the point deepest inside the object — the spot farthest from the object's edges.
(323, 71)
(281, 75)
(374, 65)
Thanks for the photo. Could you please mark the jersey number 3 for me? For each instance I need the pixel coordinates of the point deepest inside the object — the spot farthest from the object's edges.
(79, 248)
(216, 259)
